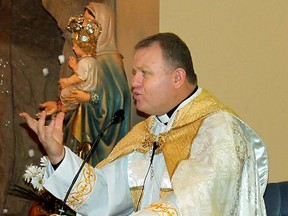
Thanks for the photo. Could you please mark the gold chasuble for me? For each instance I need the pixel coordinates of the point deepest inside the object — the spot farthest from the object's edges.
(77, 124)
(176, 143)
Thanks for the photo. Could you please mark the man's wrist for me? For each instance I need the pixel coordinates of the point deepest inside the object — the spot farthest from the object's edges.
(57, 160)
(55, 166)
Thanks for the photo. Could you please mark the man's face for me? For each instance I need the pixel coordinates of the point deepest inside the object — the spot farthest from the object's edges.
(152, 85)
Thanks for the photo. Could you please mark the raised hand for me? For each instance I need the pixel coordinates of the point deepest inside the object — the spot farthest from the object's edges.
(51, 136)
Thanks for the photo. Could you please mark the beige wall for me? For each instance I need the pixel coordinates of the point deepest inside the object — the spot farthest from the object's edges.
(135, 22)
(240, 52)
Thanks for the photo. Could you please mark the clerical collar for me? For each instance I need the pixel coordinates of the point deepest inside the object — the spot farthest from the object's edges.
(165, 118)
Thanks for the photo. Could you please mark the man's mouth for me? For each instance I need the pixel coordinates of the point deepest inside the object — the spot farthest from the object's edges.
(136, 95)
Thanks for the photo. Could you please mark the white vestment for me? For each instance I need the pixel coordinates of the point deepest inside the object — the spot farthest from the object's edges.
(225, 174)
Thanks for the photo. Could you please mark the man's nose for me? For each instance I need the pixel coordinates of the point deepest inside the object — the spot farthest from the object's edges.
(137, 80)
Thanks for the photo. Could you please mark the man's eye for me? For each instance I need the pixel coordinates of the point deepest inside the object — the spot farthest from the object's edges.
(142, 72)
(145, 73)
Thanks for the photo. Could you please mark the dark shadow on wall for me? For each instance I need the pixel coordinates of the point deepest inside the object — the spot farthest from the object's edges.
(34, 43)
(30, 41)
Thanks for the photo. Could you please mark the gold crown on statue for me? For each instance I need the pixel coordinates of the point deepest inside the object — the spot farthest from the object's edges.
(85, 33)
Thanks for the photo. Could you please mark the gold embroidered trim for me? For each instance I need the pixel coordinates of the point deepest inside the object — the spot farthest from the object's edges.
(84, 187)
(164, 192)
(176, 143)
(77, 124)
(163, 208)
(135, 195)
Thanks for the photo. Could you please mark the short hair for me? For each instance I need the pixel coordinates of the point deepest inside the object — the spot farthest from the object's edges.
(175, 52)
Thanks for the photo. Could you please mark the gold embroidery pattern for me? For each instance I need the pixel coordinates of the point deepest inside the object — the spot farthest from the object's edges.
(163, 208)
(164, 192)
(77, 124)
(176, 143)
(136, 195)
(138, 139)
(82, 190)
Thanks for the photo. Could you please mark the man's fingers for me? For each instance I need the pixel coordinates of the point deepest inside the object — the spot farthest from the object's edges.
(32, 123)
(41, 126)
(59, 120)
(49, 132)
(58, 128)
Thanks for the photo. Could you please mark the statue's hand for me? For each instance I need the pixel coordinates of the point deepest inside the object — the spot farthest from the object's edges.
(72, 62)
(50, 107)
(77, 96)
(63, 83)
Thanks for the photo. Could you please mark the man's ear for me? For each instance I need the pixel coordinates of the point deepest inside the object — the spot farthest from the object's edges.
(179, 76)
